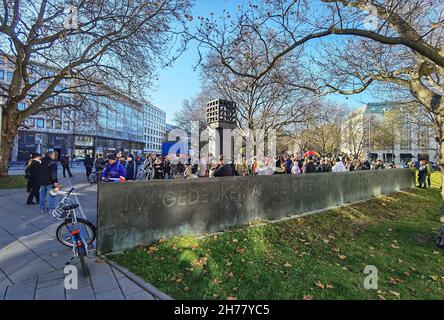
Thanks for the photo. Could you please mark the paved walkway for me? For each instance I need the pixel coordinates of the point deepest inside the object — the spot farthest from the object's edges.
(32, 260)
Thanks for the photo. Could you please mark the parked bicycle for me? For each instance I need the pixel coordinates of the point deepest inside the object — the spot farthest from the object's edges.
(94, 177)
(140, 173)
(58, 212)
(76, 233)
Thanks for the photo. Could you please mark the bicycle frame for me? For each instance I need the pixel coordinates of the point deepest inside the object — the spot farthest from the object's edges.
(76, 235)
(65, 201)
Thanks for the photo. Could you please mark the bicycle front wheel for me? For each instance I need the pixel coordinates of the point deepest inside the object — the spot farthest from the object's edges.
(64, 230)
(92, 178)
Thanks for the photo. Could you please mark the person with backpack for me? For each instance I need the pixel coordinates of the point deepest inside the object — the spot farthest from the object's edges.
(47, 180)
(33, 175)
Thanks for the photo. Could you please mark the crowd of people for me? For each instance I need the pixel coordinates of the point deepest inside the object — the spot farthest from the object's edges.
(41, 170)
(183, 167)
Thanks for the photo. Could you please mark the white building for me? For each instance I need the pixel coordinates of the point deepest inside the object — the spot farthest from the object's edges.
(154, 128)
(414, 140)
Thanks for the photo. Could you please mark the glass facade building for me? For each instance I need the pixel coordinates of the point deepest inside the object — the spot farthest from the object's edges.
(107, 124)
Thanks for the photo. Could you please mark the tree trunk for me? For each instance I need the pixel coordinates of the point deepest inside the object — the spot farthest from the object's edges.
(8, 132)
(440, 120)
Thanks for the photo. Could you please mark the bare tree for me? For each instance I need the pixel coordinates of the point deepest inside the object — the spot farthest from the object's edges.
(89, 46)
(323, 133)
(192, 110)
(417, 25)
(277, 100)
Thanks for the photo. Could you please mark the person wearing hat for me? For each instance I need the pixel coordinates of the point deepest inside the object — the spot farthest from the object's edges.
(33, 174)
(114, 169)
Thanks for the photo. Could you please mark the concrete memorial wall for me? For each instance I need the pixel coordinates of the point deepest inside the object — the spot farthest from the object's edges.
(142, 212)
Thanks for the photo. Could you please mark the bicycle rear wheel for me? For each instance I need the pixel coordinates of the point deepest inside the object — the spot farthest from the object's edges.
(92, 178)
(82, 254)
(87, 229)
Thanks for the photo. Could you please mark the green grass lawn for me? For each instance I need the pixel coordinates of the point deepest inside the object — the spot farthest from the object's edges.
(13, 182)
(322, 256)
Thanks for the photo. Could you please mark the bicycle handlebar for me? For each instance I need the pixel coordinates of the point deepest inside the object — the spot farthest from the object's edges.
(72, 189)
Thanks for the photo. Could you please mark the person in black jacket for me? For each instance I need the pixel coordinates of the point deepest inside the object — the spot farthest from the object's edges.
(65, 166)
(224, 170)
(48, 181)
(33, 174)
(131, 168)
(309, 166)
(158, 169)
(89, 164)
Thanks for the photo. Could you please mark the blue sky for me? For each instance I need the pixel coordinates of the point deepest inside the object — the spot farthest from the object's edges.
(181, 82)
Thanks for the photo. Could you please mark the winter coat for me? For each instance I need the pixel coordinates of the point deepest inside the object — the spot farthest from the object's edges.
(338, 167)
(88, 162)
(34, 172)
(309, 168)
(65, 162)
(131, 170)
(158, 170)
(224, 171)
(114, 170)
(48, 172)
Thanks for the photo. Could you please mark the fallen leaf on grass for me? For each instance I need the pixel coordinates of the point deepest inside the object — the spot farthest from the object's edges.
(216, 281)
(394, 246)
(231, 298)
(320, 285)
(234, 241)
(342, 257)
(287, 265)
(240, 250)
(336, 249)
(396, 294)
(307, 297)
(152, 249)
(329, 286)
(434, 278)
(201, 262)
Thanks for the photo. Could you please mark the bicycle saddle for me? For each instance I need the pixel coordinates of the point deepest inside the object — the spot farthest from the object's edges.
(70, 207)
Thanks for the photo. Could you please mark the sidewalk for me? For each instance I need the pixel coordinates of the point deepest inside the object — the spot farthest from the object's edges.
(32, 260)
